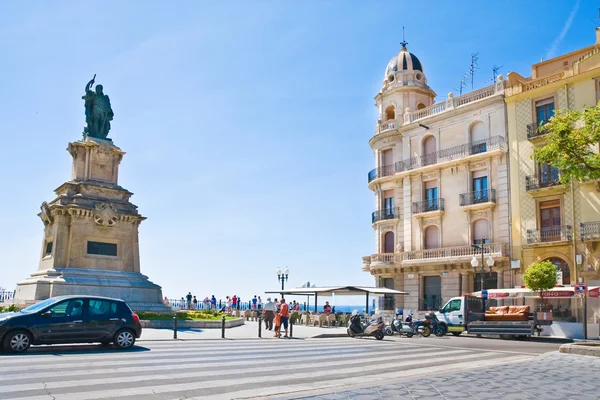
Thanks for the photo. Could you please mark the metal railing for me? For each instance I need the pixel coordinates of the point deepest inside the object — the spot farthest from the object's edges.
(428, 205)
(463, 252)
(589, 230)
(387, 303)
(547, 179)
(558, 233)
(481, 196)
(535, 130)
(386, 213)
(6, 295)
(452, 153)
(380, 172)
(430, 303)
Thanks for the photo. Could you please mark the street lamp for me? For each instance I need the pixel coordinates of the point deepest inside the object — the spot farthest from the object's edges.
(475, 263)
(283, 277)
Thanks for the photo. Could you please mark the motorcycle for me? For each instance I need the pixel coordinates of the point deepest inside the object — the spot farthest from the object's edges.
(431, 324)
(374, 328)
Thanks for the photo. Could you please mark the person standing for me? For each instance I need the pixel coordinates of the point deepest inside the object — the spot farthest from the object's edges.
(227, 304)
(206, 303)
(234, 301)
(285, 316)
(259, 303)
(269, 314)
(189, 300)
(213, 302)
(254, 302)
(276, 304)
(195, 302)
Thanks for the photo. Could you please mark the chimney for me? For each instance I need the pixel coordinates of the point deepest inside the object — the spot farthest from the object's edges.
(597, 35)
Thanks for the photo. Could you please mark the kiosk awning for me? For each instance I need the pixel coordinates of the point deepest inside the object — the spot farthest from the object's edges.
(554, 293)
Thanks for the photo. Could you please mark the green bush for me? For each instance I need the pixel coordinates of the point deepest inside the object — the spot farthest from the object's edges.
(181, 315)
(11, 308)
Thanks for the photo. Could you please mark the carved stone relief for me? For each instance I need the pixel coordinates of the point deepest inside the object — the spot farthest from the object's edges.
(105, 214)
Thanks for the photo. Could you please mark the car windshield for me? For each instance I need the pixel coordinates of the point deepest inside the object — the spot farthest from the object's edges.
(38, 306)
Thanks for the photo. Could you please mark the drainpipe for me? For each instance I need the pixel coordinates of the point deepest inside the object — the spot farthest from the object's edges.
(573, 238)
(510, 241)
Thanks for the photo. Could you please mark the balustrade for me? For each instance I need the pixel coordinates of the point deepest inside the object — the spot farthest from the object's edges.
(589, 230)
(481, 196)
(386, 258)
(557, 233)
(464, 252)
(543, 81)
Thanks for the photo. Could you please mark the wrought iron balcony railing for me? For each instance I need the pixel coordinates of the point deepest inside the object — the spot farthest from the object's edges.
(558, 233)
(450, 154)
(547, 179)
(535, 130)
(589, 230)
(428, 205)
(481, 196)
(380, 172)
(386, 213)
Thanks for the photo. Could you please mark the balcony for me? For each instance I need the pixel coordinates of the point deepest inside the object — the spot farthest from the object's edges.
(535, 131)
(430, 303)
(388, 125)
(478, 198)
(457, 254)
(425, 206)
(547, 179)
(589, 230)
(560, 233)
(385, 214)
(380, 172)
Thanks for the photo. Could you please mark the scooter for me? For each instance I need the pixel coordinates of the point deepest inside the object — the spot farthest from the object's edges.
(356, 328)
(436, 327)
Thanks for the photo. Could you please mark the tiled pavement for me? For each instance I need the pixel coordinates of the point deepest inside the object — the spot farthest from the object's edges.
(551, 377)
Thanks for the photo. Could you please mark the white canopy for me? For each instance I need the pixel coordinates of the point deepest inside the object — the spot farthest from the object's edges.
(557, 293)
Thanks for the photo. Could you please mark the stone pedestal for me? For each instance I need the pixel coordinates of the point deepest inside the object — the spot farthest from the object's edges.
(90, 241)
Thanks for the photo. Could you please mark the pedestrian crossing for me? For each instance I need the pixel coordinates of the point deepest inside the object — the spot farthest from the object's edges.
(226, 369)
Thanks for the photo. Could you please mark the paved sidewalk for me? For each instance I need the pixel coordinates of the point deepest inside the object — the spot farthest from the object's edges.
(247, 331)
(554, 376)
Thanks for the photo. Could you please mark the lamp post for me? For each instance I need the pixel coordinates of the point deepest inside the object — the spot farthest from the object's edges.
(283, 277)
(475, 263)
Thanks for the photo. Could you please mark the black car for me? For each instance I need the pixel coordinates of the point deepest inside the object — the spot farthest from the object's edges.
(70, 319)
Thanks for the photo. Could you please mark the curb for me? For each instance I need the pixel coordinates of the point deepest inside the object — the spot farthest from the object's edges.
(581, 348)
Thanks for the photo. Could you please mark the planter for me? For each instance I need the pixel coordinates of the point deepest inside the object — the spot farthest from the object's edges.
(168, 324)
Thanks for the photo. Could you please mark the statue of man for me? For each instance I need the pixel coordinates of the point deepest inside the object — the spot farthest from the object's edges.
(98, 112)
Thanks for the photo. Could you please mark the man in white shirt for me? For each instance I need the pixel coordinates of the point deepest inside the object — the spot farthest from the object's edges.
(269, 314)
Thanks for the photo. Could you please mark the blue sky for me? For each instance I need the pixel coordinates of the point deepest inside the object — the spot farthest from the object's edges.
(246, 124)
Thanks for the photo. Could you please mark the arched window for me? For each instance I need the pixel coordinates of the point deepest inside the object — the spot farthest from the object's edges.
(388, 242)
(432, 240)
(481, 230)
(420, 106)
(478, 135)
(561, 265)
(429, 151)
(390, 113)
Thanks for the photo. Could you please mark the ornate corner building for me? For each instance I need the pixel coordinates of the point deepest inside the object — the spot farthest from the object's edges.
(440, 187)
(552, 221)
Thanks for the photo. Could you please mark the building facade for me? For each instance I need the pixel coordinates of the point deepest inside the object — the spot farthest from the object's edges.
(441, 189)
(552, 221)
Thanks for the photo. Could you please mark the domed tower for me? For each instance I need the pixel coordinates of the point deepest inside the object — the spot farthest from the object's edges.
(404, 86)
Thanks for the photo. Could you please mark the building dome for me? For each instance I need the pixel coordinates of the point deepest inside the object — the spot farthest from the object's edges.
(403, 61)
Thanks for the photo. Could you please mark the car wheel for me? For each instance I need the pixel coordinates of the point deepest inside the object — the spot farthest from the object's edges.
(456, 333)
(409, 335)
(124, 339)
(17, 341)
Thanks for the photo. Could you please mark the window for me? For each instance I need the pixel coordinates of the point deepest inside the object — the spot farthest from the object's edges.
(544, 110)
(48, 249)
(480, 187)
(597, 90)
(69, 308)
(387, 158)
(481, 231)
(102, 307)
(432, 238)
(431, 196)
(563, 268)
(388, 202)
(390, 113)
(102, 248)
(432, 293)
(550, 220)
(388, 242)
(420, 106)
(490, 281)
(453, 305)
(548, 175)
(478, 135)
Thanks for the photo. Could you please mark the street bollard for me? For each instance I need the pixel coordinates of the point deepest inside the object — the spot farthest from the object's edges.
(223, 327)
(175, 326)
(291, 327)
(259, 326)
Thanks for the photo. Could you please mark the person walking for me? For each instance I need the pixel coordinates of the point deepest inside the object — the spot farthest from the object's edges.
(285, 316)
(277, 325)
(254, 302)
(269, 314)
(227, 304)
(189, 300)
(259, 303)
(276, 304)
(213, 302)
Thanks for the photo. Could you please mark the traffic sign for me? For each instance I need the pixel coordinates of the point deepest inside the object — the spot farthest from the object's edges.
(581, 288)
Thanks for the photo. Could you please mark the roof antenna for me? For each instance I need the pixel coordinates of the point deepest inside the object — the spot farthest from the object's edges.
(473, 67)
(403, 42)
(496, 69)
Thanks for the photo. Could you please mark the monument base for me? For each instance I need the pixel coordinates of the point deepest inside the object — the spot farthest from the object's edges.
(132, 287)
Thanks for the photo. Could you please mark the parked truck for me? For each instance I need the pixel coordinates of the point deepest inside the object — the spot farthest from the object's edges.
(469, 314)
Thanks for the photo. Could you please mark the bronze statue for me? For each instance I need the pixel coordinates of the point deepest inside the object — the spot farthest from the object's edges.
(98, 112)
